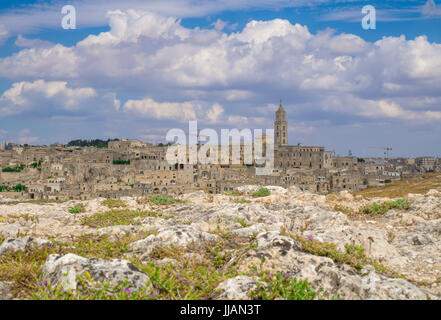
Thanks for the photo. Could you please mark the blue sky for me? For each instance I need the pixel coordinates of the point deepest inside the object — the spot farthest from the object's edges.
(138, 68)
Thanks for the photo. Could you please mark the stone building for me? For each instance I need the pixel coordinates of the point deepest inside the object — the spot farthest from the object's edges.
(136, 168)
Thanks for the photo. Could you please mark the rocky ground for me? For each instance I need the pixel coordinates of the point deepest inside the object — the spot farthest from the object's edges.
(288, 245)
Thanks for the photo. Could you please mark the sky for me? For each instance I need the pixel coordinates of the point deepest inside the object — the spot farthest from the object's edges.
(136, 69)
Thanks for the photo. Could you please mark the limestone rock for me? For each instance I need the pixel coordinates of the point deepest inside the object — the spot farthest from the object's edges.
(248, 189)
(64, 269)
(237, 288)
(282, 254)
(21, 244)
(346, 195)
(179, 236)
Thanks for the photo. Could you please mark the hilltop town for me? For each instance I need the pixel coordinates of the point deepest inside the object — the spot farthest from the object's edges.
(135, 168)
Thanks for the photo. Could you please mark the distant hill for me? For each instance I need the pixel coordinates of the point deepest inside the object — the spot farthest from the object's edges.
(90, 143)
(402, 188)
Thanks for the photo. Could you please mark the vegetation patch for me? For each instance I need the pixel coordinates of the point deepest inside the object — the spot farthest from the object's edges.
(283, 286)
(77, 209)
(353, 255)
(262, 192)
(384, 207)
(402, 188)
(118, 217)
(189, 278)
(16, 188)
(90, 143)
(23, 269)
(162, 200)
(89, 289)
(242, 222)
(114, 203)
(121, 162)
(103, 247)
(41, 202)
(14, 169)
(232, 193)
(343, 209)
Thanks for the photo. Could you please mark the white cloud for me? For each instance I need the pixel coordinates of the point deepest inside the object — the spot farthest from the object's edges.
(47, 62)
(431, 9)
(45, 98)
(21, 136)
(131, 25)
(237, 119)
(215, 113)
(181, 111)
(24, 136)
(338, 75)
(34, 17)
(31, 43)
(4, 34)
(219, 25)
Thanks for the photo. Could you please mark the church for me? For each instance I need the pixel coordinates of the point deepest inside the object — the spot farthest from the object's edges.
(286, 156)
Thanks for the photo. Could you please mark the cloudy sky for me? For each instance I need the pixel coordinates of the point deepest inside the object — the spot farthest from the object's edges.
(135, 69)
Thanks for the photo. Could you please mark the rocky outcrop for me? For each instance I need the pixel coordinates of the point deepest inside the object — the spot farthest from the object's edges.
(237, 288)
(277, 253)
(22, 244)
(407, 242)
(65, 270)
(179, 236)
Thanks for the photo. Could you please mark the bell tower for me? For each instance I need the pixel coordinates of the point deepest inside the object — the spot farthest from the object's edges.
(281, 127)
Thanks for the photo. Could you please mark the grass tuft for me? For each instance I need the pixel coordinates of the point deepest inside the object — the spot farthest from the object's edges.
(283, 286)
(77, 209)
(262, 192)
(114, 203)
(382, 208)
(118, 217)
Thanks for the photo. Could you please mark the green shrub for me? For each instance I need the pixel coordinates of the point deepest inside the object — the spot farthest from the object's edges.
(4, 188)
(19, 188)
(283, 286)
(77, 209)
(121, 162)
(262, 192)
(15, 169)
(162, 200)
(384, 207)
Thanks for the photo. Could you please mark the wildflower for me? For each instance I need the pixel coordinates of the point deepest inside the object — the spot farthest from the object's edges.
(127, 291)
(208, 217)
(310, 237)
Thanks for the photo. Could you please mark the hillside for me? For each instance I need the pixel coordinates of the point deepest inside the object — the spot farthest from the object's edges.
(402, 188)
(241, 245)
